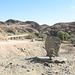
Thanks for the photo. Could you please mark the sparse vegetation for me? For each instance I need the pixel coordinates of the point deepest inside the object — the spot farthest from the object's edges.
(10, 34)
(18, 33)
(72, 39)
(31, 35)
(43, 36)
(63, 35)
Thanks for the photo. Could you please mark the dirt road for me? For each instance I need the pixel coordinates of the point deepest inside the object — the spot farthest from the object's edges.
(14, 42)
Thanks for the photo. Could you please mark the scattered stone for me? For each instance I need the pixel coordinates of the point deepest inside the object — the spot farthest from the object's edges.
(10, 63)
(28, 70)
(22, 49)
(7, 66)
(17, 64)
(46, 64)
(33, 69)
(60, 64)
(43, 74)
(23, 66)
(57, 72)
(54, 60)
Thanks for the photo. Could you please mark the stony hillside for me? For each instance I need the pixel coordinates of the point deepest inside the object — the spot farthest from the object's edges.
(44, 26)
(3, 36)
(67, 27)
(31, 24)
(16, 26)
(2, 23)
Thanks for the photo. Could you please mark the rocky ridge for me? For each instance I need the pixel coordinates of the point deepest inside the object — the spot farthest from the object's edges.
(68, 27)
(16, 26)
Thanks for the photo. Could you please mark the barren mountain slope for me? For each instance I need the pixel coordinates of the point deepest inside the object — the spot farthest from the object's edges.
(16, 26)
(67, 27)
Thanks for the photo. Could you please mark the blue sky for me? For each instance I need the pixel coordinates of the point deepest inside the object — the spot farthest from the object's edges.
(42, 11)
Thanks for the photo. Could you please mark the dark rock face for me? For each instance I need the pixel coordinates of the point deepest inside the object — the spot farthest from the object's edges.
(11, 21)
(34, 25)
(2, 23)
(44, 25)
(9, 30)
(67, 27)
(31, 30)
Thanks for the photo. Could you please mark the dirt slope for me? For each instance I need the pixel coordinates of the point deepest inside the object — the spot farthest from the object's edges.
(3, 35)
(17, 58)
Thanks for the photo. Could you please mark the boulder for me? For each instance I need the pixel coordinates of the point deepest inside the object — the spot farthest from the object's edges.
(52, 45)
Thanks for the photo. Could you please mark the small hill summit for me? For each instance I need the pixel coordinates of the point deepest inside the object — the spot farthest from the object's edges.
(65, 26)
(12, 21)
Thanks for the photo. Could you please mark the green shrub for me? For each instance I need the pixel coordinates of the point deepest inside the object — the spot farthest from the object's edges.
(43, 36)
(63, 35)
(72, 39)
(18, 33)
(10, 34)
(30, 36)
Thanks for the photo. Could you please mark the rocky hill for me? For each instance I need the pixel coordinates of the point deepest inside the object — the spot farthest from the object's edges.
(67, 27)
(16, 26)
(2, 23)
(44, 26)
(31, 24)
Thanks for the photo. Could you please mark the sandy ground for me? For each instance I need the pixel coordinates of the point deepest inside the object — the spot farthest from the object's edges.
(18, 58)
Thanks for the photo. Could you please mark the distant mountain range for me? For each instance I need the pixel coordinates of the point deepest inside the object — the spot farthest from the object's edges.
(16, 26)
(65, 26)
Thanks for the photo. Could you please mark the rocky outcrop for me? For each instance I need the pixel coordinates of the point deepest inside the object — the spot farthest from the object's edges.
(67, 27)
(44, 26)
(11, 21)
(32, 30)
(34, 25)
(52, 45)
(9, 30)
(2, 23)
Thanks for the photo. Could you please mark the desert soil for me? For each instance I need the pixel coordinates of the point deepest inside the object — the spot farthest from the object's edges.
(18, 58)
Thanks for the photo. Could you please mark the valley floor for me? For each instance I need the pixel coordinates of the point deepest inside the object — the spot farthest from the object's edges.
(18, 58)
